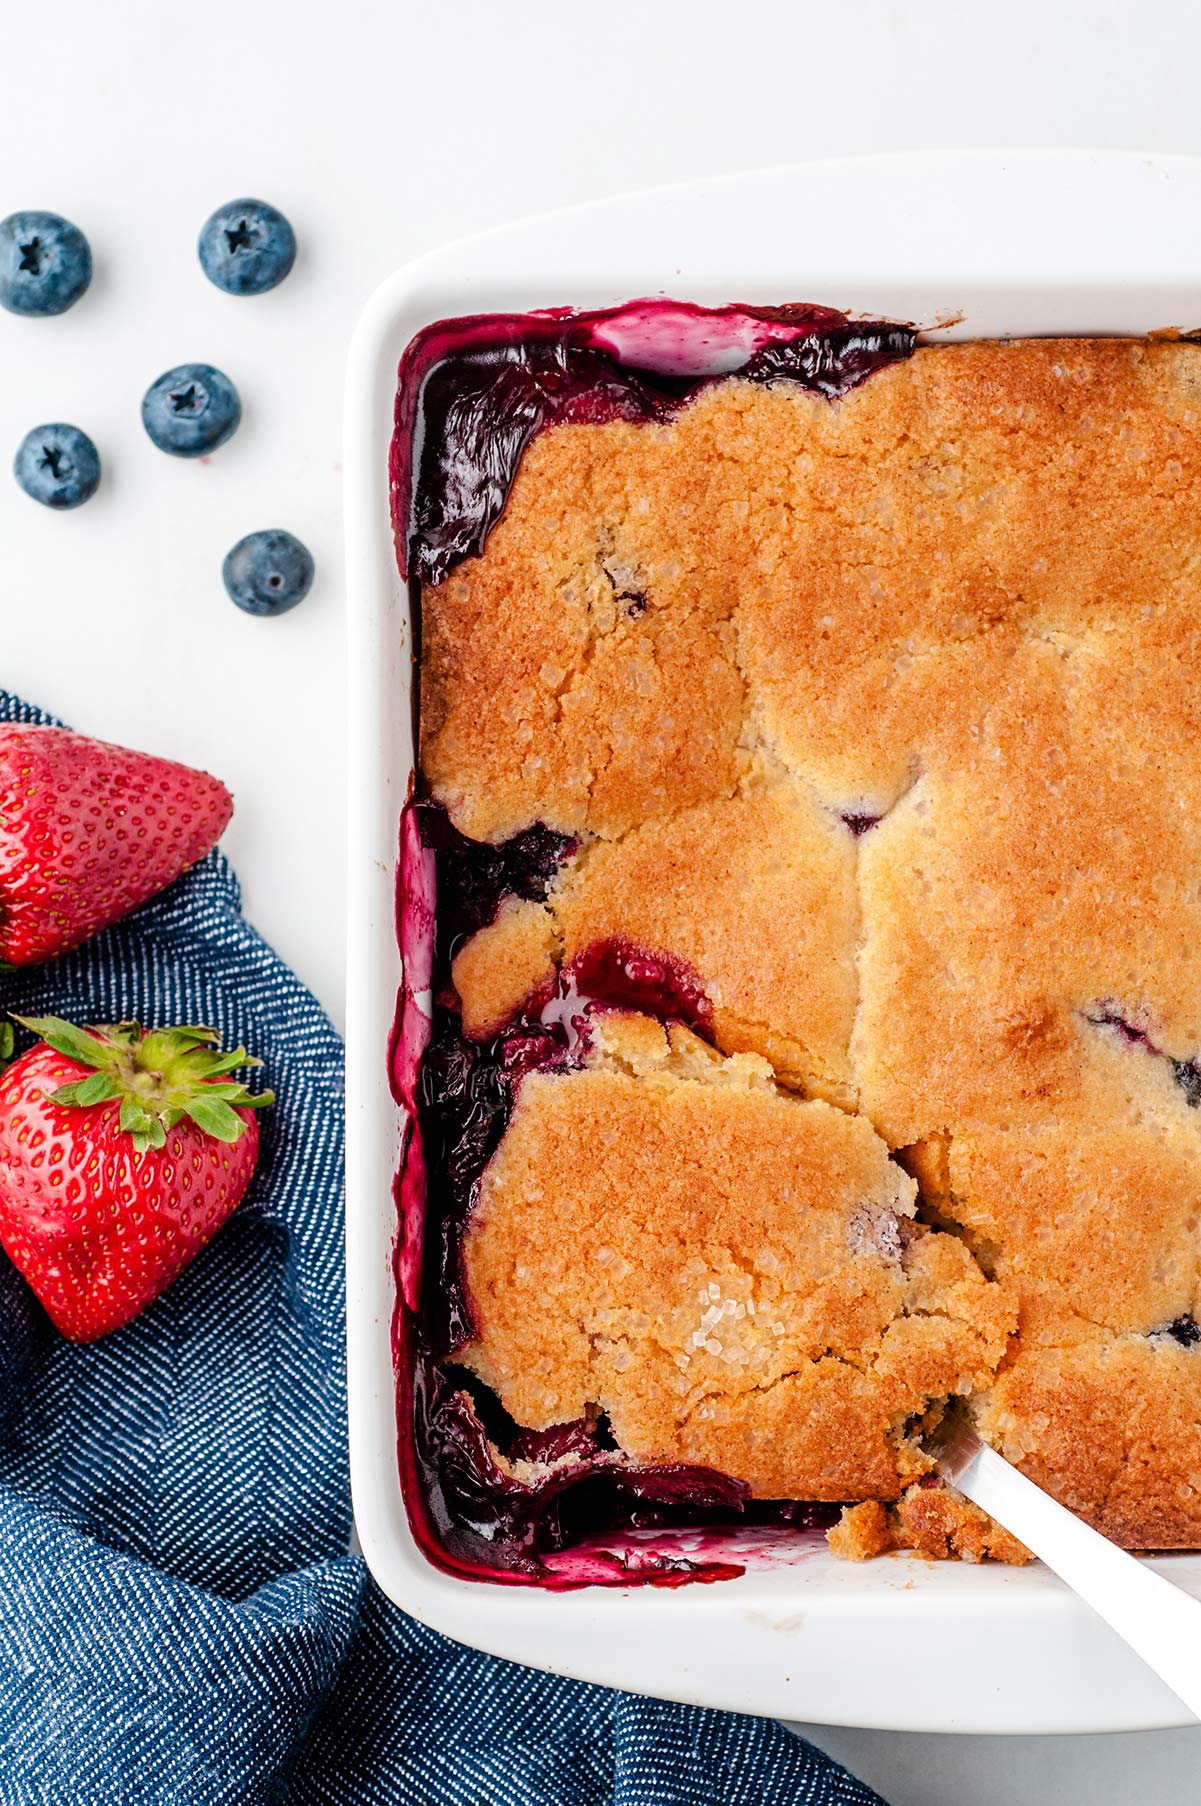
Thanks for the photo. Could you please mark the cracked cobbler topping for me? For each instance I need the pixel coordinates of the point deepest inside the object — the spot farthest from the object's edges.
(756, 1296)
(810, 763)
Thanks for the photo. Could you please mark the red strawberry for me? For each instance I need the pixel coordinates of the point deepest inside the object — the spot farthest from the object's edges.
(121, 1155)
(88, 831)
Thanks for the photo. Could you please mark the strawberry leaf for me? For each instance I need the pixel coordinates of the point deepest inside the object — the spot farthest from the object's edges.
(99, 1088)
(76, 1043)
(158, 1076)
(152, 1136)
(135, 1117)
(6, 1040)
(209, 1065)
(168, 1046)
(215, 1117)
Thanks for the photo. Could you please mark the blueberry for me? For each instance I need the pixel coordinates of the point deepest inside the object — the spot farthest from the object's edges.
(1187, 1074)
(246, 247)
(191, 410)
(268, 573)
(45, 263)
(57, 465)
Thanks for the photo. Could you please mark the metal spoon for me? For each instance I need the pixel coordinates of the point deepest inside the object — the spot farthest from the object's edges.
(1161, 1623)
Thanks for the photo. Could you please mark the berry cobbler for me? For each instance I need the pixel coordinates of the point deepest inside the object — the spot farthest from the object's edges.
(801, 909)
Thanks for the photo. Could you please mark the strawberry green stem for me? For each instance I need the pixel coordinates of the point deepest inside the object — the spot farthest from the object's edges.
(158, 1076)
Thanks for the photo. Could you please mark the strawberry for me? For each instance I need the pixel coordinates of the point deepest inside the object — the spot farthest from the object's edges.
(122, 1152)
(87, 832)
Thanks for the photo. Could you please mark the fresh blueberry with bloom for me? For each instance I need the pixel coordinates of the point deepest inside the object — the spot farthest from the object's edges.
(246, 247)
(191, 410)
(268, 573)
(57, 465)
(45, 263)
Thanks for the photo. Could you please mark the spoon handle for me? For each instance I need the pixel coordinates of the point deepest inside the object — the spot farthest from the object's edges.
(1159, 1621)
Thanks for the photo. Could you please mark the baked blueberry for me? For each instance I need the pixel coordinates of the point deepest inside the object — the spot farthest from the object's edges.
(268, 573)
(1187, 1074)
(246, 247)
(191, 410)
(45, 263)
(57, 465)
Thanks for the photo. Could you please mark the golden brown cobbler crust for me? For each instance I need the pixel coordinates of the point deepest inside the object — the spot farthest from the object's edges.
(722, 1269)
(965, 599)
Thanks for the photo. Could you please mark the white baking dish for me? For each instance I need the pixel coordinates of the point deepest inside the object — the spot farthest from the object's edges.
(967, 245)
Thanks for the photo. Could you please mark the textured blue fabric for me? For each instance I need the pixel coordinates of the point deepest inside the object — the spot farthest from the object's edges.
(179, 1622)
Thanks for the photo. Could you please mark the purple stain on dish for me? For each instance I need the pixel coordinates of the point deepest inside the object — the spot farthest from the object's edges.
(472, 394)
(416, 904)
(465, 1101)
(500, 1527)
(637, 1564)
(416, 933)
(410, 1189)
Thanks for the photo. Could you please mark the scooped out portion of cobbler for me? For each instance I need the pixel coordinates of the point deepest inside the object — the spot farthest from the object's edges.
(731, 1273)
(809, 758)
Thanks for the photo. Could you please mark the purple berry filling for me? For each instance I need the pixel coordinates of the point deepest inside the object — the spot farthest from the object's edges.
(474, 878)
(481, 1517)
(1185, 1330)
(464, 1102)
(487, 1518)
(1107, 1014)
(474, 392)
(1187, 1073)
(615, 975)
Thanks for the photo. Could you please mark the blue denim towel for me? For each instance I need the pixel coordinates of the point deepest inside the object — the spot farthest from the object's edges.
(179, 1621)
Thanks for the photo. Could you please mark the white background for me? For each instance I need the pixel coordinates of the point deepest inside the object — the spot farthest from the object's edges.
(381, 130)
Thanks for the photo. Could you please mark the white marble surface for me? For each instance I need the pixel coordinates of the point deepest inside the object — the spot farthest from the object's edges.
(383, 127)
